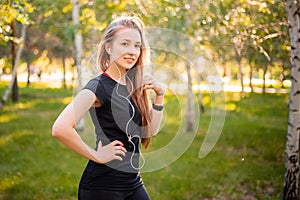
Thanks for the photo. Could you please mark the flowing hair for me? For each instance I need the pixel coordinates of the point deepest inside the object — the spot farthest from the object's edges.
(135, 74)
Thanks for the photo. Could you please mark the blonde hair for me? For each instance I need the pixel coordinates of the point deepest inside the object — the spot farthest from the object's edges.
(140, 97)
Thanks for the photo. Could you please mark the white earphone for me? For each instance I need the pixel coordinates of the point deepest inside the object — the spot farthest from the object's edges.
(127, 126)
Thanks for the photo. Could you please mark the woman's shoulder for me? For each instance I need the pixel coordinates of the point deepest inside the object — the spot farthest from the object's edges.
(97, 78)
(94, 83)
(98, 86)
(101, 84)
(100, 79)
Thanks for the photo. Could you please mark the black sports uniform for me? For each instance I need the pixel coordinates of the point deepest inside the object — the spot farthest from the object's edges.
(115, 119)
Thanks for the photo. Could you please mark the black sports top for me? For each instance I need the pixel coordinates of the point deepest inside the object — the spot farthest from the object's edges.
(111, 123)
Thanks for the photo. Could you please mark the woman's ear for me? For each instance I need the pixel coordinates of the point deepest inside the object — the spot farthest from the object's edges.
(107, 48)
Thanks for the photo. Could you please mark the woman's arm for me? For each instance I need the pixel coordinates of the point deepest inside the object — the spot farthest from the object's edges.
(64, 130)
(156, 114)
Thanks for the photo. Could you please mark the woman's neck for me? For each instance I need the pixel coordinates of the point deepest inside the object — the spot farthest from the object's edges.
(117, 74)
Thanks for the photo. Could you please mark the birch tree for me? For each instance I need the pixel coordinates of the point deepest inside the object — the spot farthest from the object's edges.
(291, 179)
(190, 100)
(78, 50)
(177, 16)
(16, 63)
(10, 14)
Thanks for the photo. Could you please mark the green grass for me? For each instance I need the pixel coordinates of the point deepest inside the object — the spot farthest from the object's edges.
(247, 161)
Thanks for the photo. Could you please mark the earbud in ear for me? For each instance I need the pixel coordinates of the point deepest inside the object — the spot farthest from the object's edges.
(108, 50)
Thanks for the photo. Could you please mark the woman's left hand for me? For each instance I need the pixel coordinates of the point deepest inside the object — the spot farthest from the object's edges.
(151, 83)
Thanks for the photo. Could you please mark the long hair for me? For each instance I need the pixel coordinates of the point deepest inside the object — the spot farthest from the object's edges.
(135, 74)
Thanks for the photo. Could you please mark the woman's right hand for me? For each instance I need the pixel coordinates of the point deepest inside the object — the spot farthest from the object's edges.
(112, 151)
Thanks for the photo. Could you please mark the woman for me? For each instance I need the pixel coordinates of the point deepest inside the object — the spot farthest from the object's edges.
(121, 112)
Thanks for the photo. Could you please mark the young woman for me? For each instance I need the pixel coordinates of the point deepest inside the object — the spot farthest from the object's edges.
(122, 114)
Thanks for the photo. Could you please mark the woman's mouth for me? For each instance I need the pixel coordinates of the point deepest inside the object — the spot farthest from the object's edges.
(129, 60)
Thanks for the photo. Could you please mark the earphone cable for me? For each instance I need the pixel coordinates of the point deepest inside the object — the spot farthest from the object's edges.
(127, 125)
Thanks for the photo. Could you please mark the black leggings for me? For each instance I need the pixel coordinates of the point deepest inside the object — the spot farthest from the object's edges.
(138, 194)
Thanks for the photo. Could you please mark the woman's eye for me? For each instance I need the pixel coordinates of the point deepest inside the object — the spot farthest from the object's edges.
(137, 46)
(125, 44)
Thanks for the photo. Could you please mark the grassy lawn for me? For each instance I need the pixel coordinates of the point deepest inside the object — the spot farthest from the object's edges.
(246, 163)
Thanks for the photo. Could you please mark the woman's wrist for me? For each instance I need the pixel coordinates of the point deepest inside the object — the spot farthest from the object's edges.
(157, 107)
(159, 100)
(162, 93)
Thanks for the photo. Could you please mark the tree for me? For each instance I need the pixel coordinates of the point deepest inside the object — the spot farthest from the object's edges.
(177, 16)
(78, 50)
(241, 30)
(10, 14)
(291, 180)
(16, 62)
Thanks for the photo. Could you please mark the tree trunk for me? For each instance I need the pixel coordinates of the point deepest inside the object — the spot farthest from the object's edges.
(224, 69)
(77, 41)
(190, 100)
(291, 178)
(16, 62)
(282, 76)
(64, 84)
(240, 73)
(200, 97)
(28, 73)
(201, 65)
(250, 78)
(15, 88)
(78, 50)
(265, 68)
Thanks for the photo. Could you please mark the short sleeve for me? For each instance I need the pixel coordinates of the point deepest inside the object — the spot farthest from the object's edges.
(97, 88)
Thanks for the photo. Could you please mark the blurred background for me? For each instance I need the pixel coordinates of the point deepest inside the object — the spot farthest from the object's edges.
(229, 56)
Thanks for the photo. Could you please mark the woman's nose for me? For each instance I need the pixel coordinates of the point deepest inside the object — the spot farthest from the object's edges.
(133, 50)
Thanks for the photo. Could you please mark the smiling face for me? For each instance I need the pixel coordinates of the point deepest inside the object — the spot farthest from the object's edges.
(125, 49)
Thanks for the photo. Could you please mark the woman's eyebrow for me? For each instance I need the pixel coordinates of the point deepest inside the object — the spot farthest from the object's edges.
(128, 40)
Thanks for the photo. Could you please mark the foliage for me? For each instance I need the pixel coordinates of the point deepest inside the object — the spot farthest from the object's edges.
(258, 28)
(13, 11)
